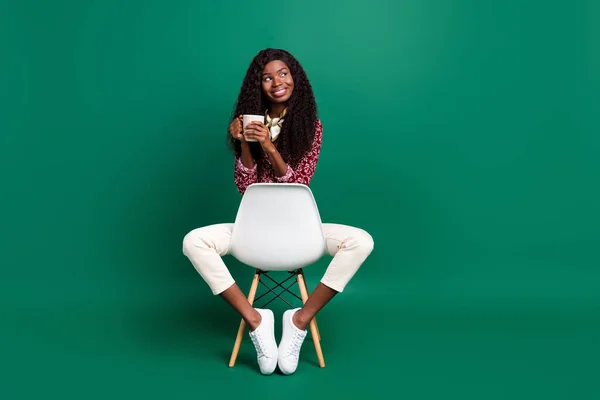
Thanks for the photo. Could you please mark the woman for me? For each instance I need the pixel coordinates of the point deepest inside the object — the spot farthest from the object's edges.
(285, 149)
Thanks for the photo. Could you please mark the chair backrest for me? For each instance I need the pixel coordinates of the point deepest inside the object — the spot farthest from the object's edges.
(277, 227)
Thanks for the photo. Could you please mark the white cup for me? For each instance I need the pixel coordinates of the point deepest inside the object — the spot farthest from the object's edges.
(250, 118)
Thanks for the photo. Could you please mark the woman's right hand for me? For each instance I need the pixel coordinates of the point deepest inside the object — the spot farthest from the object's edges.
(235, 129)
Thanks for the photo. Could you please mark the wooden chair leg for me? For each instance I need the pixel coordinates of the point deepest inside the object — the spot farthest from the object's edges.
(304, 301)
(313, 324)
(317, 326)
(242, 328)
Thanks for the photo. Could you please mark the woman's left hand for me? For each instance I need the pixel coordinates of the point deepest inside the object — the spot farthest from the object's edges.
(259, 132)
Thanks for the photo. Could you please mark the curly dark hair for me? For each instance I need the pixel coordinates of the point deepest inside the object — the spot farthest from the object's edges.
(298, 130)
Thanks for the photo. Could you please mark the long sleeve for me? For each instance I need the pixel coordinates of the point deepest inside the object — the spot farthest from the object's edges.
(305, 169)
(243, 176)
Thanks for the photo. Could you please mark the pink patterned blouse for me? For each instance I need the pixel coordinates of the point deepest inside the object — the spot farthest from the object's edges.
(302, 173)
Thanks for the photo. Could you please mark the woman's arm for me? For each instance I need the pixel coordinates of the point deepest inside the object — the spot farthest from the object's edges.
(279, 166)
(259, 132)
(305, 169)
(247, 158)
(244, 176)
(244, 171)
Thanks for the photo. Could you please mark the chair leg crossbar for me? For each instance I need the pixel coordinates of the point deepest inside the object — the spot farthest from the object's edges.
(277, 285)
(299, 275)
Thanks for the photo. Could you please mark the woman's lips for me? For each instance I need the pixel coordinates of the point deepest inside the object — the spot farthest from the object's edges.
(280, 92)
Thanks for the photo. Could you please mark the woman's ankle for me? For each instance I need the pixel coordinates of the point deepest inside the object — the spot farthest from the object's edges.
(300, 319)
(253, 321)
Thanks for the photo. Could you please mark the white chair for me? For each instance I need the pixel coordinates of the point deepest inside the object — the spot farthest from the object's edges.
(278, 228)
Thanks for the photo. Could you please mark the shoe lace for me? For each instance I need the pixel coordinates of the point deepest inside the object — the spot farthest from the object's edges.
(259, 344)
(295, 345)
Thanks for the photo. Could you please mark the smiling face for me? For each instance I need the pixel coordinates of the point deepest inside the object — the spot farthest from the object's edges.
(277, 82)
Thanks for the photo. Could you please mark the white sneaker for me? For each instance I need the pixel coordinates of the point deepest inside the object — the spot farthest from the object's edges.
(263, 338)
(291, 341)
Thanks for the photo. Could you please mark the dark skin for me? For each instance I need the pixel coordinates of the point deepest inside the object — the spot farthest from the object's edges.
(278, 86)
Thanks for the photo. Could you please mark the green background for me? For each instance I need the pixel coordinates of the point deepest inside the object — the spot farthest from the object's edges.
(463, 135)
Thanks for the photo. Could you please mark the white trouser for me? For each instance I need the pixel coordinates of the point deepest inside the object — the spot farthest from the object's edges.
(205, 246)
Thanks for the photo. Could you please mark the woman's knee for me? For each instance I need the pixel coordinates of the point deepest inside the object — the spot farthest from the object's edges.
(359, 241)
(364, 241)
(214, 237)
(195, 239)
(190, 240)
